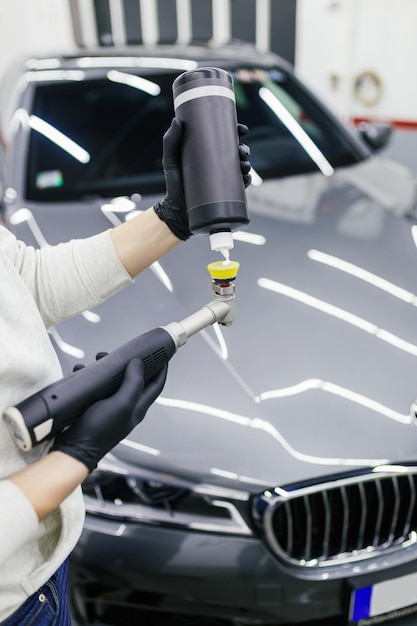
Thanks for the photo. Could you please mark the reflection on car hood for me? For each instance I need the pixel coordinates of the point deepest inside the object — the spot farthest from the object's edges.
(319, 369)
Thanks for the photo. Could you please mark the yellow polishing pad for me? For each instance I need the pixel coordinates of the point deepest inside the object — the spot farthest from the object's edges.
(223, 270)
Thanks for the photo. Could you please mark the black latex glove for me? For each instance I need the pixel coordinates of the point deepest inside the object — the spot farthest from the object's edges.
(109, 421)
(171, 209)
(244, 154)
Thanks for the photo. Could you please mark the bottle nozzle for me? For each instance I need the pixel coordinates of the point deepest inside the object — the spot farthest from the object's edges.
(222, 242)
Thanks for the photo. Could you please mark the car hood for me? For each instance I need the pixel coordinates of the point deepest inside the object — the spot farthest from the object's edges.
(317, 373)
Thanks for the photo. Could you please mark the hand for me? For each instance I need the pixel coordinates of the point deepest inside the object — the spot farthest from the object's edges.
(172, 209)
(244, 154)
(108, 421)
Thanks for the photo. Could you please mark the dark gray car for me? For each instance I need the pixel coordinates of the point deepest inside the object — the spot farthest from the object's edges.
(275, 479)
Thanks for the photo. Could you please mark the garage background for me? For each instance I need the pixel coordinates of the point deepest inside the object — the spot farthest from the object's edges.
(269, 25)
(357, 54)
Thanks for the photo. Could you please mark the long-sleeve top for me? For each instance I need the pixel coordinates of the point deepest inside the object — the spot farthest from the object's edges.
(38, 288)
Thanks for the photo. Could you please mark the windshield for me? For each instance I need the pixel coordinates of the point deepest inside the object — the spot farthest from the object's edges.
(102, 137)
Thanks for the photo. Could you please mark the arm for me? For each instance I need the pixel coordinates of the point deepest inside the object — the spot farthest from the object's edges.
(147, 233)
(32, 493)
(29, 495)
(68, 278)
(47, 482)
(141, 241)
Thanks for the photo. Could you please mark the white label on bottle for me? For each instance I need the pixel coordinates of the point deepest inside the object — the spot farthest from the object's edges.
(202, 92)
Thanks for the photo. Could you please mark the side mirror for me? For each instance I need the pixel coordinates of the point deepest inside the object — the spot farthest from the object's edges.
(375, 134)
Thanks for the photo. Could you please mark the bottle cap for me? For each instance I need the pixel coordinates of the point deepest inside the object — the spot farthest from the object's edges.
(222, 240)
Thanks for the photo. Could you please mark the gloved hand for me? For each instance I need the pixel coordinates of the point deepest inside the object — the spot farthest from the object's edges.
(108, 421)
(244, 154)
(171, 209)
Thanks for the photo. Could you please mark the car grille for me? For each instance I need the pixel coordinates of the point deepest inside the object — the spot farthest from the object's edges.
(343, 520)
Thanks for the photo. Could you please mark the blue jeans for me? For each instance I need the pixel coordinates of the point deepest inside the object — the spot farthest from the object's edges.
(48, 606)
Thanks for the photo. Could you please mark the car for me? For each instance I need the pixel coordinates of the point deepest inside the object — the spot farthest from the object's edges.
(275, 479)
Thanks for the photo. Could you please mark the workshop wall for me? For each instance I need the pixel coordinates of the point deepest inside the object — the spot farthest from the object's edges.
(33, 27)
(357, 54)
(269, 24)
(51, 26)
(360, 56)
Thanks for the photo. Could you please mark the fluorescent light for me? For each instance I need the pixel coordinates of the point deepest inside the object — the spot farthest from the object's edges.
(137, 82)
(336, 390)
(362, 274)
(44, 75)
(24, 215)
(224, 353)
(139, 446)
(269, 430)
(256, 179)
(256, 240)
(41, 64)
(120, 204)
(67, 348)
(339, 313)
(62, 141)
(150, 62)
(296, 130)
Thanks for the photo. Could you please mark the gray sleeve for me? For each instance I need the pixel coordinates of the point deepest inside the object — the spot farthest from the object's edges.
(70, 277)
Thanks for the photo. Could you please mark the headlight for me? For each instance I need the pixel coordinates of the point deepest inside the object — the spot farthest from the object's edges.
(124, 492)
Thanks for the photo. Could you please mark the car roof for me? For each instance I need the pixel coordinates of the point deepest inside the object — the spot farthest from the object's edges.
(236, 54)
